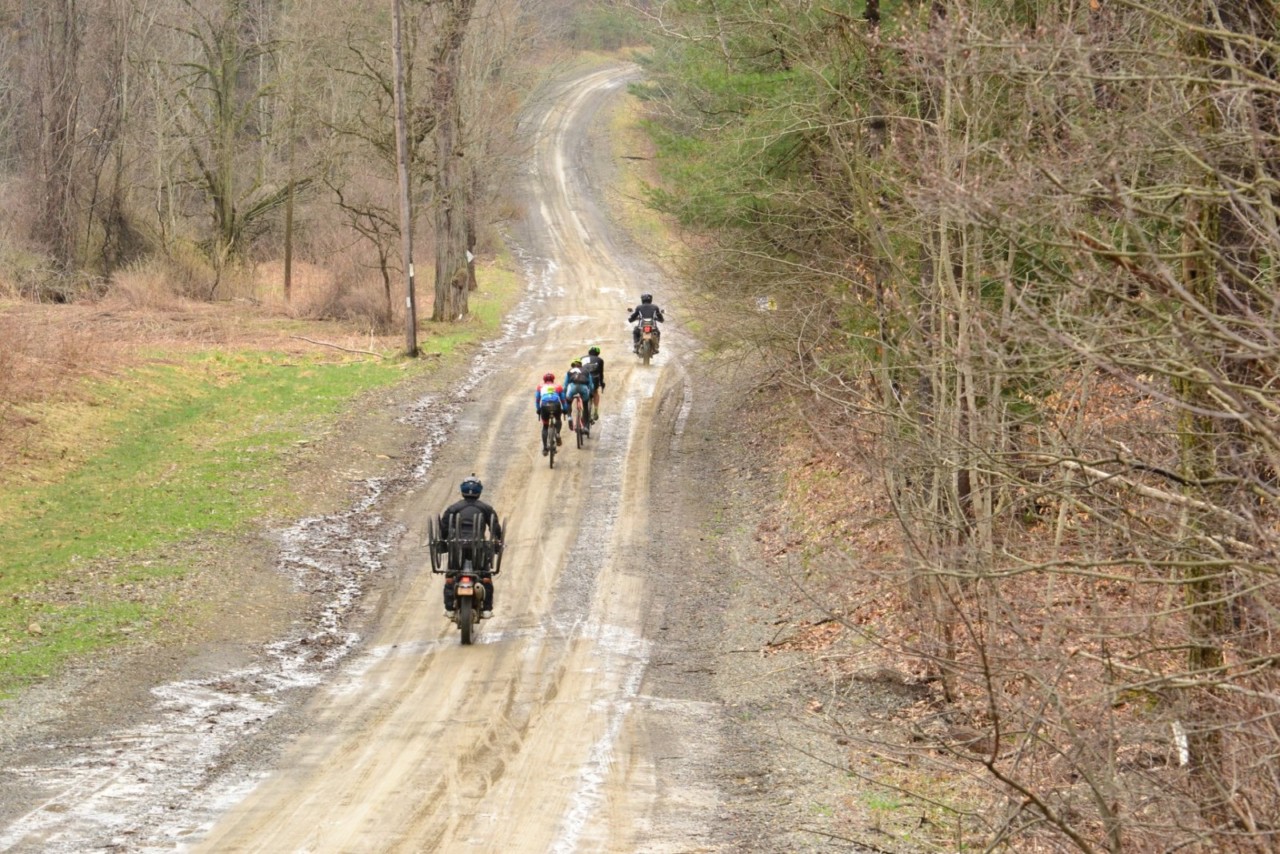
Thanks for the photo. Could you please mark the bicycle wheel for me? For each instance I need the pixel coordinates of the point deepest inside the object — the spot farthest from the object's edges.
(578, 427)
(551, 443)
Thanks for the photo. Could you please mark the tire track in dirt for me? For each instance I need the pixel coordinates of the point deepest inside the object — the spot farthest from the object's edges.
(534, 759)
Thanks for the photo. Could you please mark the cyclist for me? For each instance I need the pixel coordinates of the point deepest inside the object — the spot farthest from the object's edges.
(549, 402)
(595, 368)
(470, 520)
(647, 310)
(577, 383)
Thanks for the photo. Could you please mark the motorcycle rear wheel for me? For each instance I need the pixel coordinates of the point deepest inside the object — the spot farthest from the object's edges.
(466, 618)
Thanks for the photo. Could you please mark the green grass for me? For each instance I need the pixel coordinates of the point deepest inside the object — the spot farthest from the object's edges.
(881, 801)
(180, 445)
(499, 288)
(189, 449)
(190, 445)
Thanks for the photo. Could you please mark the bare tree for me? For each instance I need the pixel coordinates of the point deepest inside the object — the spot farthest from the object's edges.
(58, 101)
(221, 99)
(1031, 249)
(451, 199)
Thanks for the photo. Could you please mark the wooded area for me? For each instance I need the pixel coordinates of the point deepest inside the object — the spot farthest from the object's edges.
(171, 147)
(1027, 252)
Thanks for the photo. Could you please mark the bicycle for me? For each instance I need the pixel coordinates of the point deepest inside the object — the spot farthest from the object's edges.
(549, 441)
(576, 415)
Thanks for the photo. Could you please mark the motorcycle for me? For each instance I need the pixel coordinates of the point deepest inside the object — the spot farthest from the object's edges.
(648, 343)
(468, 558)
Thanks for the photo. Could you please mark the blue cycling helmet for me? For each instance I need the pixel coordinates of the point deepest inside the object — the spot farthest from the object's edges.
(472, 487)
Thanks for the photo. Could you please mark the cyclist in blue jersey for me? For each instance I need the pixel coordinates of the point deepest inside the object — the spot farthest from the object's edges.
(577, 383)
(549, 402)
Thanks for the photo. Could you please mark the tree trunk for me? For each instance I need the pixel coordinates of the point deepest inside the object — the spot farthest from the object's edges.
(59, 104)
(451, 196)
(402, 172)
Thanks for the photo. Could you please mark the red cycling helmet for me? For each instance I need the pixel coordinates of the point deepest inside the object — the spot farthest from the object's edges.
(548, 378)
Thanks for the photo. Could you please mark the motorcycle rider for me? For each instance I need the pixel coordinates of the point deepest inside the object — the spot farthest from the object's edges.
(549, 402)
(577, 383)
(595, 368)
(470, 520)
(648, 311)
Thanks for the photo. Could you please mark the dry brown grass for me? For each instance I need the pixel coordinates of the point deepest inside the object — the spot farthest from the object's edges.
(51, 349)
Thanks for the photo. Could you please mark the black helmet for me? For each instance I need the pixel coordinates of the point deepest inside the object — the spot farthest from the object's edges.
(646, 298)
(576, 363)
(594, 351)
(472, 487)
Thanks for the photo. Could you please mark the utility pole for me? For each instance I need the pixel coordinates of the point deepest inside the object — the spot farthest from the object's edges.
(402, 163)
(288, 212)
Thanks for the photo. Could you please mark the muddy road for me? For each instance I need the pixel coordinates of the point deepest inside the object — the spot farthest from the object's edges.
(537, 737)
(374, 729)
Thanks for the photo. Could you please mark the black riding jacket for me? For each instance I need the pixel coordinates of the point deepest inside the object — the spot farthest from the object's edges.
(648, 311)
(594, 365)
(473, 516)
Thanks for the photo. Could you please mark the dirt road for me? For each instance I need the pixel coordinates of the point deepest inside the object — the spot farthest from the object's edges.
(619, 701)
(536, 738)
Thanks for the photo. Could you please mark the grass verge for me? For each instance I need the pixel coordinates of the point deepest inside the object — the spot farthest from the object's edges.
(180, 443)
